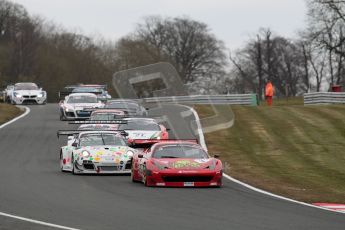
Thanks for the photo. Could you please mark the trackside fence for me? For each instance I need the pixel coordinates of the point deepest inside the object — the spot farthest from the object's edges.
(231, 99)
(324, 98)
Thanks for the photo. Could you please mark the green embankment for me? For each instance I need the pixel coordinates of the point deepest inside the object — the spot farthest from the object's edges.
(296, 151)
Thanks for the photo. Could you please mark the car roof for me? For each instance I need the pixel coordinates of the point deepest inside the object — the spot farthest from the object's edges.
(107, 111)
(140, 119)
(176, 142)
(122, 101)
(82, 94)
(19, 83)
(100, 131)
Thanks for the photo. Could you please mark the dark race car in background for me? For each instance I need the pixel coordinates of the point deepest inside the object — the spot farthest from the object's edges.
(129, 107)
(99, 90)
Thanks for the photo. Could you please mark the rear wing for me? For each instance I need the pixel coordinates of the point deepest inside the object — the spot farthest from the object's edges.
(91, 122)
(94, 109)
(77, 132)
(69, 89)
(146, 143)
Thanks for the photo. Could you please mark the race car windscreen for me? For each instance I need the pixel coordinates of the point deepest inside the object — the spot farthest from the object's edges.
(101, 139)
(87, 90)
(122, 106)
(97, 127)
(81, 99)
(140, 125)
(26, 86)
(179, 151)
(104, 116)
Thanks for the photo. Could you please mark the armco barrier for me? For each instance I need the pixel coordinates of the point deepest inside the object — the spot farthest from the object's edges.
(324, 98)
(231, 99)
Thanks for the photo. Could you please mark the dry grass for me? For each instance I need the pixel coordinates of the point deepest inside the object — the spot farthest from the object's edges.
(7, 112)
(296, 151)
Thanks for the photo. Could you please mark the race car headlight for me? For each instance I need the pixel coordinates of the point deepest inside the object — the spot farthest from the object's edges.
(68, 109)
(159, 166)
(17, 94)
(86, 154)
(41, 94)
(130, 153)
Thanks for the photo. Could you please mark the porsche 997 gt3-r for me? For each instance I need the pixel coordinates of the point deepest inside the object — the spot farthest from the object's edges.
(94, 152)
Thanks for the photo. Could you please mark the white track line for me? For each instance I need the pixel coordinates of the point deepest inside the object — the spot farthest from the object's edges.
(203, 144)
(27, 111)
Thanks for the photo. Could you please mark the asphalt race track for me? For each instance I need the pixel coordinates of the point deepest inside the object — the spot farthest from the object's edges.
(32, 186)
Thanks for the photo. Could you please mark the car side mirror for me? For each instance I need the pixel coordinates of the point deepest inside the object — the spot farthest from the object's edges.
(140, 156)
(129, 141)
(216, 156)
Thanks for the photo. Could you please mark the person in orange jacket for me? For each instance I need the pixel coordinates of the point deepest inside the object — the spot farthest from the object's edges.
(269, 92)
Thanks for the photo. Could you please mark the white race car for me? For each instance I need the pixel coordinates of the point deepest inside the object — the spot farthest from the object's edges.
(94, 152)
(143, 128)
(75, 106)
(27, 92)
(7, 93)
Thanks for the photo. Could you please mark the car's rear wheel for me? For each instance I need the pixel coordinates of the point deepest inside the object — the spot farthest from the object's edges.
(145, 177)
(61, 163)
(134, 177)
(74, 172)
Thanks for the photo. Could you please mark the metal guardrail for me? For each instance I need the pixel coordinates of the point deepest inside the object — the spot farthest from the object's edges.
(324, 98)
(231, 99)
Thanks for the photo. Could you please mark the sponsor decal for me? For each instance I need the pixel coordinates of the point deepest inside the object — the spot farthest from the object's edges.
(185, 164)
(201, 160)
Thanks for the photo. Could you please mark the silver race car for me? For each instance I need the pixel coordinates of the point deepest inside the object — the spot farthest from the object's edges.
(74, 106)
(94, 152)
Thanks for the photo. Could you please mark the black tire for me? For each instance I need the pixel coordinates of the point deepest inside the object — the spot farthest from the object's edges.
(62, 117)
(132, 178)
(61, 163)
(73, 166)
(145, 178)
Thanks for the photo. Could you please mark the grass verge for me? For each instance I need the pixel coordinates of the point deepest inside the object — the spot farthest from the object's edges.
(295, 151)
(8, 112)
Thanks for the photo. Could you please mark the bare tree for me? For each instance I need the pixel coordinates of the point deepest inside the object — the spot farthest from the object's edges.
(188, 44)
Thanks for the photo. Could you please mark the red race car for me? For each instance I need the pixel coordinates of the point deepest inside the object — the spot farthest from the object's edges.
(175, 163)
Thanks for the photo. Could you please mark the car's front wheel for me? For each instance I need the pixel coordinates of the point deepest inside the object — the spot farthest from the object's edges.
(62, 117)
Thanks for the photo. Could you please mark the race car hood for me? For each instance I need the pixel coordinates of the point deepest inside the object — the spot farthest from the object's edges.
(141, 134)
(29, 92)
(81, 106)
(185, 163)
(106, 153)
